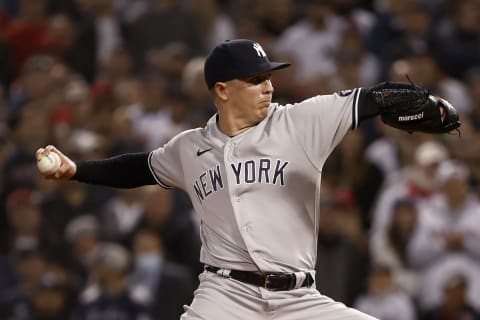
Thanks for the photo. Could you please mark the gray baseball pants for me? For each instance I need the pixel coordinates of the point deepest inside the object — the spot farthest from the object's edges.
(220, 298)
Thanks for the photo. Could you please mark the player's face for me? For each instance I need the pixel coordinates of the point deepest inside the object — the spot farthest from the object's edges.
(252, 96)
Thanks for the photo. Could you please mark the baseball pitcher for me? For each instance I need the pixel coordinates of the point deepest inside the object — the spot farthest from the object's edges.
(253, 174)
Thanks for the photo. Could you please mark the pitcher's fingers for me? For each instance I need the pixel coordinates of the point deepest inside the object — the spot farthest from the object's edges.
(66, 170)
(40, 152)
(51, 148)
(61, 172)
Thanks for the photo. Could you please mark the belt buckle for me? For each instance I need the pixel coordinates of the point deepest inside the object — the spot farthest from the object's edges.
(268, 280)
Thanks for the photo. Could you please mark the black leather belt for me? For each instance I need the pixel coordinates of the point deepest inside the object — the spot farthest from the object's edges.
(272, 281)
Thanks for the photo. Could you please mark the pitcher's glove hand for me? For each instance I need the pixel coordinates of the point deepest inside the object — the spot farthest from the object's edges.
(412, 108)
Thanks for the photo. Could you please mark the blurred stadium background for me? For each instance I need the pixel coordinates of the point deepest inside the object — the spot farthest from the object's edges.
(399, 234)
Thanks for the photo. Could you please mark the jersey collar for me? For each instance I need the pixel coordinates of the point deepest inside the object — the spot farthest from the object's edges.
(214, 132)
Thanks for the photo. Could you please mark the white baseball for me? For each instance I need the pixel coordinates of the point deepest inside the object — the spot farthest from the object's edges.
(49, 163)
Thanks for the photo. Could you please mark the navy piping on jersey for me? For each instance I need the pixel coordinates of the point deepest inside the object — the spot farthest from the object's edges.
(355, 109)
(157, 178)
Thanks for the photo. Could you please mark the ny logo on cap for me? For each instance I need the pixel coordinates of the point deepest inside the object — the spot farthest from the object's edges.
(259, 50)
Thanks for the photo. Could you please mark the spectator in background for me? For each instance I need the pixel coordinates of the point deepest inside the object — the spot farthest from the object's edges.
(215, 25)
(355, 66)
(410, 32)
(26, 34)
(417, 182)
(123, 139)
(165, 21)
(383, 300)
(388, 150)
(460, 28)
(28, 228)
(108, 296)
(432, 281)
(454, 304)
(199, 107)
(389, 247)
(117, 67)
(179, 232)
(121, 215)
(423, 68)
(341, 265)
(60, 39)
(311, 42)
(53, 297)
(275, 16)
(151, 118)
(98, 34)
(27, 268)
(355, 14)
(33, 84)
(448, 233)
(28, 128)
(83, 240)
(351, 171)
(170, 286)
(71, 201)
(449, 222)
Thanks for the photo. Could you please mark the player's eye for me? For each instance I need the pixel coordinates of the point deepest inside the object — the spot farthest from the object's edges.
(258, 79)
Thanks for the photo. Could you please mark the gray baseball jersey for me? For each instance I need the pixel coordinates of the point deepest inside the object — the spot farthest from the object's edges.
(258, 193)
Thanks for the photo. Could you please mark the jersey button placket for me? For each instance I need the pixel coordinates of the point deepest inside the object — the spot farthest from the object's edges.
(228, 158)
(231, 150)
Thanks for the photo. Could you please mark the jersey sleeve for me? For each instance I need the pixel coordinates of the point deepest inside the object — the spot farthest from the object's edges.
(166, 165)
(322, 121)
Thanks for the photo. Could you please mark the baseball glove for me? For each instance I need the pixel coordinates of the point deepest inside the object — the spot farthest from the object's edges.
(412, 108)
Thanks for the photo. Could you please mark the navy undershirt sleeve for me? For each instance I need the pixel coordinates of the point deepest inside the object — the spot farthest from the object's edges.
(366, 108)
(124, 171)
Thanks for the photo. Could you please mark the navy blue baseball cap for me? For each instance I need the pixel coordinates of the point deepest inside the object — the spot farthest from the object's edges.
(237, 58)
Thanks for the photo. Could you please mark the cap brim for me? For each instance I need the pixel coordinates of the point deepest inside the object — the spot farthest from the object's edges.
(279, 65)
(270, 66)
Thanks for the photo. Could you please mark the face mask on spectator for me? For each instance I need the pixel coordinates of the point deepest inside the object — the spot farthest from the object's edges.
(148, 263)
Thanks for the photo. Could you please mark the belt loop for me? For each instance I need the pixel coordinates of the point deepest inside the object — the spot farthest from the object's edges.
(299, 279)
(224, 273)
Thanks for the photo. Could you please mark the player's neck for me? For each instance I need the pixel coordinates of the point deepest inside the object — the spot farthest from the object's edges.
(232, 126)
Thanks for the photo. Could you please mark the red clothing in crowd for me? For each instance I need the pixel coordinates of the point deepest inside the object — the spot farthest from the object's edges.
(25, 39)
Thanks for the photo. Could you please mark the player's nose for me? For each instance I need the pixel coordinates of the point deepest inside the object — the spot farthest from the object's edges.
(267, 86)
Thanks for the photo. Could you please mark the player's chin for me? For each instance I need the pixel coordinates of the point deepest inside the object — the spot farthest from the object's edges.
(264, 105)
(263, 110)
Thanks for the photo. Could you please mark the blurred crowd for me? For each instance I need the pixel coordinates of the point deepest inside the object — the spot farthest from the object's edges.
(399, 234)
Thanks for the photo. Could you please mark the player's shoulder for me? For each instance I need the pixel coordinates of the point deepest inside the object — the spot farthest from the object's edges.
(319, 99)
(188, 135)
(279, 109)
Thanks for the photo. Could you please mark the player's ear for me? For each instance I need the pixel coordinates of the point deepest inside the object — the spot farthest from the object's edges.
(220, 89)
